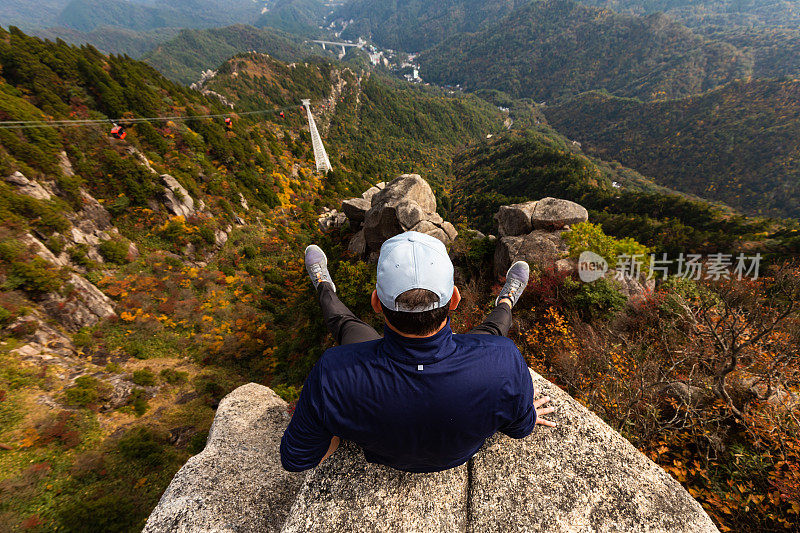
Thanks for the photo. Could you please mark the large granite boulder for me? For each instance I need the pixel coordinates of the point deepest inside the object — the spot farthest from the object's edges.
(407, 188)
(628, 286)
(345, 493)
(176, 197)
(515, 219)
(380, 225)
(83, 306)
(356, 208)
(31, 188)
(357, 245)
(372, 191)
(579, 476)
(542, 249)
(331, 219)
(554, 213)
(407, 203)
(236, 483)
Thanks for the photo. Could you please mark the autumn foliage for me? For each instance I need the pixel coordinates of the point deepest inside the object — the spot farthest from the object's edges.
(701, 376)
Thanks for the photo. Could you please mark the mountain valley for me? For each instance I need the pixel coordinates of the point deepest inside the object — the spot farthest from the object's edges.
(148, 270)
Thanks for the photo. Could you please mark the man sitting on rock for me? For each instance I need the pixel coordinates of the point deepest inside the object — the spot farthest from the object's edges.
(420, 398)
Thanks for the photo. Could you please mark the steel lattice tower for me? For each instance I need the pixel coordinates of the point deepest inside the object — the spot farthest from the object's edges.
(320, 155)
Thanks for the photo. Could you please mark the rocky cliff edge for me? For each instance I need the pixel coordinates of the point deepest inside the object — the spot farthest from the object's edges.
(579, 476)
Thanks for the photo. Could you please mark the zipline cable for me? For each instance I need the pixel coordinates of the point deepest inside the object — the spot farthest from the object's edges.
(27, 124)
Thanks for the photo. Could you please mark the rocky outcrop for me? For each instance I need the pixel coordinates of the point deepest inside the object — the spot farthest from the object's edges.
(627, 285)
(83, 306)
(331, 219)
(372, 191)
(407, 203)
(236, 483)
(542, 249)
(554, 213)
(515, 219)
(176, 198)
(345, 493)
(28, 187)
(44, 343)
(358, 244)
(534, 232)
(578, 476)
(356, 209)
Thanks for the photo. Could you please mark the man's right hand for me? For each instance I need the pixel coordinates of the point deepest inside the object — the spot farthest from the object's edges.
(541, 410)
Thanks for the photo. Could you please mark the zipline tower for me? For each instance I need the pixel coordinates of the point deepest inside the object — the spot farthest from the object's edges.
(321, 156)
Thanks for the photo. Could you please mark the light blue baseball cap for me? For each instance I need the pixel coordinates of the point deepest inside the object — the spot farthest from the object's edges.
(413, 260)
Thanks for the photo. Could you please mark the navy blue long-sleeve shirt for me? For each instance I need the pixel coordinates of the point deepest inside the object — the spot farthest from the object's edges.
(419, 405)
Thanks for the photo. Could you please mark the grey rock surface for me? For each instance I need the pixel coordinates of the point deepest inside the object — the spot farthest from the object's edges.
(541, 249)
(84, 306)
(357, 246)
(31, 188)
(236, 484)
(42, 251)
(449, 230)
(331, 219)
(515, 219)
(579, 476)
(356, 209)
(627, 285)
(65, 165)
(380, 224)
(474, 234)
(555, 213)
(176, 197)
(567, 266)
(345, 493)
(372, 191)
(409, 214)
(408, 187)
(407, 203)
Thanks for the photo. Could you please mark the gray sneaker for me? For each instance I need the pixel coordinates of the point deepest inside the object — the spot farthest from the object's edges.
(317, 266)
(516, 281)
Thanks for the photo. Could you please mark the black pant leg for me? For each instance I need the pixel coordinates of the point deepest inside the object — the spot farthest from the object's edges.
(497, 323)
(345, 327)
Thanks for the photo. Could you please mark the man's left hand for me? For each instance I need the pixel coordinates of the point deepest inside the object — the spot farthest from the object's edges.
(541, 410)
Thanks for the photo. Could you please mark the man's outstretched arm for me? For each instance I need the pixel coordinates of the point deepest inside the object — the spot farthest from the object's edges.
(306, 443)
(527, 409)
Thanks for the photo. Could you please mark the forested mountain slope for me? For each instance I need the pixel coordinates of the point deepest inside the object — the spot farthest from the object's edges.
(714, 13)
(551, 49)
(23, 14)
(415, 25)
(93, 426)
(190, 234)
(302, 17)
(191, 237)
(86, 15)
(775, 52)
(766, 30)
(183, 58)
(739, 144)
(522, 166)
(377, 126)
(111, 40)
